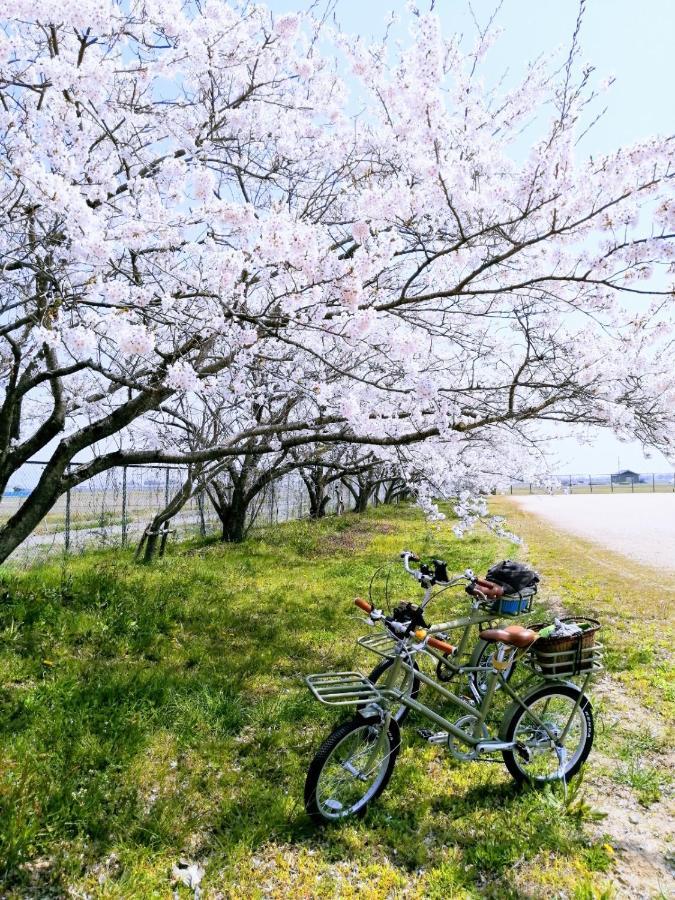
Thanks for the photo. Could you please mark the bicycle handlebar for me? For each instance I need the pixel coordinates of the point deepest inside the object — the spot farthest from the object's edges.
(437, 644)
(443, 646)
(440, 574)
(489, 589)
(364, 605)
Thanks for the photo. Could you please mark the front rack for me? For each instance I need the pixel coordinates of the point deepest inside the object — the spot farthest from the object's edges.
(342, 688)
(558, 664)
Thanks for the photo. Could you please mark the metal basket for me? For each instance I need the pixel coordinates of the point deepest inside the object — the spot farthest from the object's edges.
(342, 688)
(383, 644)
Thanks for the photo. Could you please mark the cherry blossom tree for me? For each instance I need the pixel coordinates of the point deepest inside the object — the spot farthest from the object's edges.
(324, 467)
(188, 198)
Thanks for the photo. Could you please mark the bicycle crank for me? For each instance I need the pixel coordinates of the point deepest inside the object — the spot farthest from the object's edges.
(459, 750)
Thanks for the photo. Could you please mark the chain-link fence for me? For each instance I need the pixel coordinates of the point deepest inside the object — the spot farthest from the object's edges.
(115, 507)
(624, 482)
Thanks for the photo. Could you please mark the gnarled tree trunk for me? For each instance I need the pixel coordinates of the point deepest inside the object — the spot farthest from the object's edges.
(231, 505)
(316, 483)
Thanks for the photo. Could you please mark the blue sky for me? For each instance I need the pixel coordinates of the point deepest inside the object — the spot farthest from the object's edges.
(631, 41)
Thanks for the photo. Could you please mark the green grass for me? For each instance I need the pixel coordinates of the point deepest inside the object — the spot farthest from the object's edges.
(149, 714)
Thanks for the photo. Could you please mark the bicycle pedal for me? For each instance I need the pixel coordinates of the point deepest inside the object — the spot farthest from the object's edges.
(434, 737)
(524, 752)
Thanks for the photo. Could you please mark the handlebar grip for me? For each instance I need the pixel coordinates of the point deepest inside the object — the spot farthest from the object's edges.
(440, 645)
(363, 604)
(491, 590)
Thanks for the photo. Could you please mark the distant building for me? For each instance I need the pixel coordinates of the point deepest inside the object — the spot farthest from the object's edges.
(626, 476)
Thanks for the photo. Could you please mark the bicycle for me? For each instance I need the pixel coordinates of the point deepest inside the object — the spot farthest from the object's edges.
(489, 602)
(544, 736)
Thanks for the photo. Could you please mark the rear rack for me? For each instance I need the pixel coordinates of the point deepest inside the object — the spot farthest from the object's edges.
(556, 664)
(383, 644)
(342, 688)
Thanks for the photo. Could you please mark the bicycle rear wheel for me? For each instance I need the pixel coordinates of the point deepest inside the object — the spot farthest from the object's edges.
(351, 769)
(540, 760)
(482, 658)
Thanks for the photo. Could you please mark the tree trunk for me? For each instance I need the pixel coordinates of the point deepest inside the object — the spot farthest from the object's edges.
(363, 496)
(152, 534)
(317, 507)
(395, 490)
(35, 507)
(231, 511)
(316, 482)
(233, 521)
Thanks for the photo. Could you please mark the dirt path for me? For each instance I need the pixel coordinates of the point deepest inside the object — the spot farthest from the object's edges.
(640, 526)
(642, 837)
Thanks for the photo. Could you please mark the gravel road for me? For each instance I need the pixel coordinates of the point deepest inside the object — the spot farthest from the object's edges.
(640, 526)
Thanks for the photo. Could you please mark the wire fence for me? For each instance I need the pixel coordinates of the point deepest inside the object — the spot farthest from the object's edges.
(626, 482)
(114, 508)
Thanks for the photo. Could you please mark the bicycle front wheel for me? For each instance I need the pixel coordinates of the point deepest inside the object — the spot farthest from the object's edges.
(540, 759)
(351, 768)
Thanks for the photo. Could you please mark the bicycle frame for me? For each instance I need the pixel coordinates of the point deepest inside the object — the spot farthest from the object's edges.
(453, 663)
(476, 741)
(479, 615)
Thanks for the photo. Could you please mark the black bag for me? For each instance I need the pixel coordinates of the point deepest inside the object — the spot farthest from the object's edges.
(513, 576)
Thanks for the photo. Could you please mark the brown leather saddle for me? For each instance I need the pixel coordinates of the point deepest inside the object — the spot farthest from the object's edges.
(513, 635)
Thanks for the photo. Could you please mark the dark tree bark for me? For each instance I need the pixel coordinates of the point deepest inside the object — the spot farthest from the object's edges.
(361, 488)
(316, 481)
(395, 490)
(232, 508)
(152, 534)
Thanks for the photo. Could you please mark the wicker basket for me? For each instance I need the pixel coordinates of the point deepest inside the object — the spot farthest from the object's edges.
(567, 655)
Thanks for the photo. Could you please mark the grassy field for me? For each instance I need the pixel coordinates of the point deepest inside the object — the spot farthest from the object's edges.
(149, 715)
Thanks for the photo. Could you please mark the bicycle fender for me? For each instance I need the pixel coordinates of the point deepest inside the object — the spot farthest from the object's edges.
(514, 707)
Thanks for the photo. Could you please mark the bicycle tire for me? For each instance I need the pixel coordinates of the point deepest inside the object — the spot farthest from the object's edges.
(315, 808)
(514, 716)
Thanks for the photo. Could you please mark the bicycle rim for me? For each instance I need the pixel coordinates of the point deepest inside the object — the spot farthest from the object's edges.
(351, 776)
(545, 762)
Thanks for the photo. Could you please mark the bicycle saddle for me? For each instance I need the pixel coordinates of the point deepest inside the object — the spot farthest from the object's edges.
(514, 635)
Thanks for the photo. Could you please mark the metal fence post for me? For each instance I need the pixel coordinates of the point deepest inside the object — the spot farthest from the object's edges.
(653, 484)
(66, 542)
(166, 486)
(590, 482)
(124, 506)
